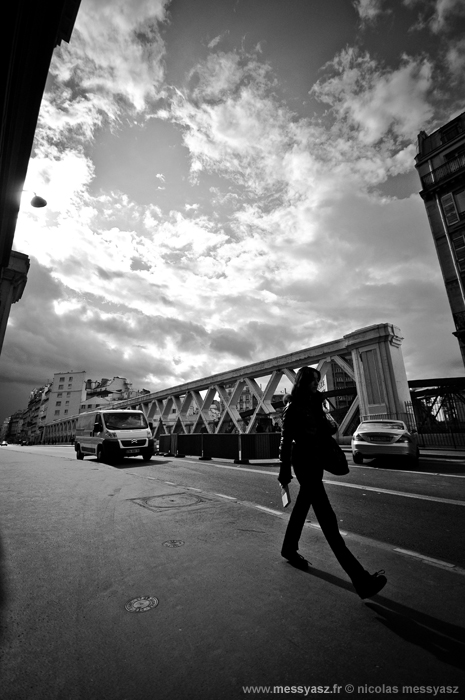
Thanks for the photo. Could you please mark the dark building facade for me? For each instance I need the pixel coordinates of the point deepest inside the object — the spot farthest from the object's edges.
(441, 166)
(29, 32)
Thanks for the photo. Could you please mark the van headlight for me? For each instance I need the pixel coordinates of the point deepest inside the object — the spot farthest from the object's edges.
(108, 433)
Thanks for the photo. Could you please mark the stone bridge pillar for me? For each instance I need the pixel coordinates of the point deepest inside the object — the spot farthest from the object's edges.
(380, 376)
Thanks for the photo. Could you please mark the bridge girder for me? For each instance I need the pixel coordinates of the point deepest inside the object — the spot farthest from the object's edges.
(371, 356)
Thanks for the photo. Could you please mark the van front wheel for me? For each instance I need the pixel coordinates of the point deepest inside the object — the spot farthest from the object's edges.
(147, 455)
(99, 454)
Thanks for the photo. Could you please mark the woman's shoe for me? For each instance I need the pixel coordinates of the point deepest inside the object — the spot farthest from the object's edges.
(371, 584)
(295, 559)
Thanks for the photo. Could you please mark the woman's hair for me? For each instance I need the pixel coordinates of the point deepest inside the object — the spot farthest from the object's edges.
(301, 389)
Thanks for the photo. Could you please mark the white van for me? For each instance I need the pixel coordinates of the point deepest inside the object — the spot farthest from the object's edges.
(112, 435)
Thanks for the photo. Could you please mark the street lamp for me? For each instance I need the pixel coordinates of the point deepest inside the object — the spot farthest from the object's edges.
(38, 202)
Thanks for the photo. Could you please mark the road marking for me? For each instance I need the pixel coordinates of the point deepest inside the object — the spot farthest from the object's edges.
(229, 466)
(448, 501)
(436, 499)
(267, 510)
(222, 495)
(429, 560)
(407, 471)
(318, 527)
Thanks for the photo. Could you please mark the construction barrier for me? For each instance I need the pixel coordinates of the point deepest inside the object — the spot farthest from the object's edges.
(239, 447)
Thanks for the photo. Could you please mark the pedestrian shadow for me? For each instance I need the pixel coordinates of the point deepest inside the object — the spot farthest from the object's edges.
(444, 640)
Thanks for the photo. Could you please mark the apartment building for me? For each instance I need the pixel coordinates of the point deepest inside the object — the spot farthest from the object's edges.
(15, 426)
(440, 163)
(5, 428)
(65, 395)
(31, 431)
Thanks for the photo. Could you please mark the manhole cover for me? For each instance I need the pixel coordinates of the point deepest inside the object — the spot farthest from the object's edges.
(141, 604)
(173, 543)
(175, 500)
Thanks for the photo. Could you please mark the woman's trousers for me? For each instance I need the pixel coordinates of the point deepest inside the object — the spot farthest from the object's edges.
(312, 493)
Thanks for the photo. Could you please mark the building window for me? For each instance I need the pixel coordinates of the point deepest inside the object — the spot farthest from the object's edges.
(61, 386)
(57, 413)
(59, 395)
(451, 132)
(66, 411)
(458, 240)
(449, 209)
(58, 403)
(68, 393)
(460, 201)
(67, 403)
(62, 379)
(70, 379)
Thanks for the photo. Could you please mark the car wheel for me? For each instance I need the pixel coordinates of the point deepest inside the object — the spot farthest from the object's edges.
(99, 454)
(79, 454)
(357, 457)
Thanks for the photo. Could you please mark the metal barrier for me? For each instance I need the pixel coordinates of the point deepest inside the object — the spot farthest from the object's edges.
(225, 445)
(240, 448)
(165, 444)
(260, 446)
(189, 444)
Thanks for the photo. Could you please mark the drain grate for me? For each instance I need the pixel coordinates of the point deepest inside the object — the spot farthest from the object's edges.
(173, 543)
(141, 604)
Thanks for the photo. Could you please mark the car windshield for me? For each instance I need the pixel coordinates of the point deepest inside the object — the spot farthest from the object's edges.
(391, 425)
(124, 421)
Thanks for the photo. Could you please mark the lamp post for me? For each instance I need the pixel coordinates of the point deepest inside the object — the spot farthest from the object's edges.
(38, 202)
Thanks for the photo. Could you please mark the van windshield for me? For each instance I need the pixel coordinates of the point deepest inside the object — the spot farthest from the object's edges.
(125, 421)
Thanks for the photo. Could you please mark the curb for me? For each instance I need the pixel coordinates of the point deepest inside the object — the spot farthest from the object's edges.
(431, 453)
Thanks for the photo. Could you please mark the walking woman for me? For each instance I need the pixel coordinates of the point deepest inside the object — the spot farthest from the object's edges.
(305, 436)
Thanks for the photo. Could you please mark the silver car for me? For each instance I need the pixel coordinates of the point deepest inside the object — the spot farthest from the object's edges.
(384, 438)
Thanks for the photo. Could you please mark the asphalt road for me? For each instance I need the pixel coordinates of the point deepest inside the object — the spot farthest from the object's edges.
(368, 502)
(81, 540)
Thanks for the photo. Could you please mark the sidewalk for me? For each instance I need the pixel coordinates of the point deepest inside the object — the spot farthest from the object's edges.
(80, 543)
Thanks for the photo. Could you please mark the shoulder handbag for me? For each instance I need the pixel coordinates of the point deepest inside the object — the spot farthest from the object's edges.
(334, 460)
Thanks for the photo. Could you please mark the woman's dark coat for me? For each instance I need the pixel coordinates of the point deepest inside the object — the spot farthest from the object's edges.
(305, 432)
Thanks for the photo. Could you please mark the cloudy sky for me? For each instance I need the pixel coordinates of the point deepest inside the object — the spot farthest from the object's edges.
(230, 180)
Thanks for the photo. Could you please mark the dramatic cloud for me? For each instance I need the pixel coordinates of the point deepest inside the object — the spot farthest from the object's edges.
(368, 9)
(375, 101)
(266, 229)
(437, 15)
